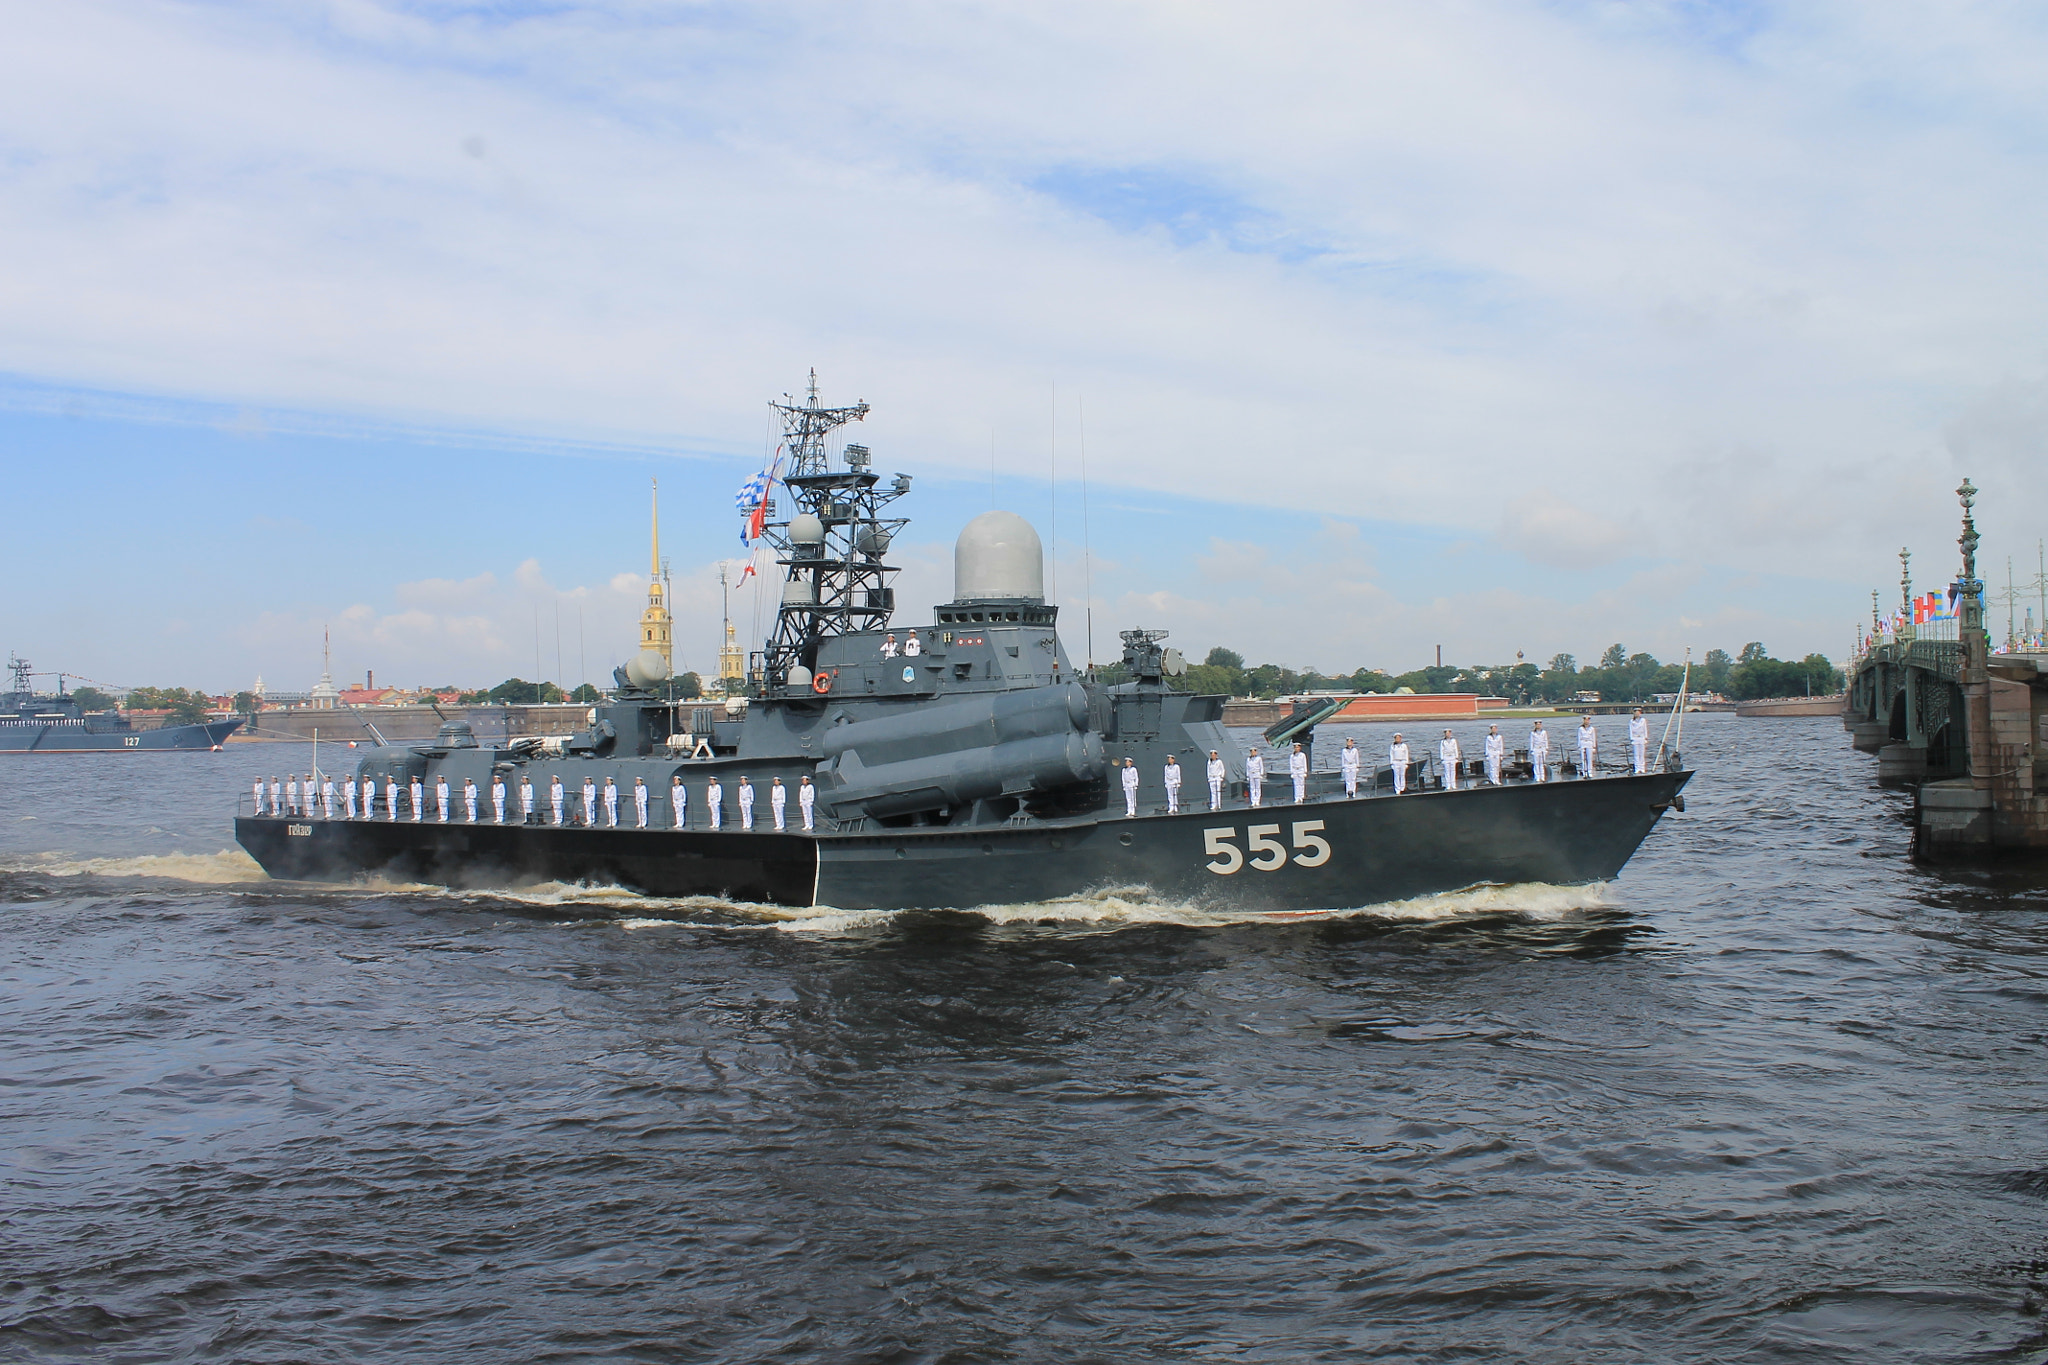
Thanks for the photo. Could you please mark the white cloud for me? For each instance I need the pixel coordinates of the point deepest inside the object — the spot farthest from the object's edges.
(1612, 279)
(1561, 533)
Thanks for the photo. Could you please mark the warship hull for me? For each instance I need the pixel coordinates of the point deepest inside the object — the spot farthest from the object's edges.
(71, 737)
(1322, 854)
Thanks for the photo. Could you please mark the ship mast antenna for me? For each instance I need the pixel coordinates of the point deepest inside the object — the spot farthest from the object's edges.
(1087, 546)
(835, 580)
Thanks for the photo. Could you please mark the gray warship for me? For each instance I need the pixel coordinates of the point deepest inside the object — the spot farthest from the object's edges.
(33, 722)
(959, 762)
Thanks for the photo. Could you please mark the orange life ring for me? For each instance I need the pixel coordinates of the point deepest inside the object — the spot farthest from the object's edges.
(822, 684)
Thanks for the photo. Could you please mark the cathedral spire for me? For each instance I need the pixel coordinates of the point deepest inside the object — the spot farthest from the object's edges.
(657, 627)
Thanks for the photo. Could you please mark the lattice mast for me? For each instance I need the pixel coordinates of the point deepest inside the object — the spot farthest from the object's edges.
(834, 579)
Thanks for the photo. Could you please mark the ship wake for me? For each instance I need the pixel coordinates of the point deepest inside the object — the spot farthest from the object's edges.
(1101, 910)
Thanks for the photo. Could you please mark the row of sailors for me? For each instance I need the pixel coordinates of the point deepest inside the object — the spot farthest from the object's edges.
(599, 806)
(1399, 757)
(286, 800)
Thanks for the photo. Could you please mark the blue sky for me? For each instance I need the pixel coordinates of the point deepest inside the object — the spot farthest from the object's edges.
(1501, 326)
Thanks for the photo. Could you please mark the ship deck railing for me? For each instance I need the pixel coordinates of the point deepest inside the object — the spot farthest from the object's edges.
(1324, 786)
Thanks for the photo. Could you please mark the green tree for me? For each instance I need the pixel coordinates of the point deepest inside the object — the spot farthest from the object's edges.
(1435, 678)
(1615, 657)
(689, 687)
(1763, 676)
(1211, 679)
(186, 706)
(1640, 675)
(1822, 675)
(1752, 653)
(515, 692)
(1716, 666)
(586, 695)
(92, 699)
(1563, 663)
(1371, 680)
(1219, 657)
(475, 698)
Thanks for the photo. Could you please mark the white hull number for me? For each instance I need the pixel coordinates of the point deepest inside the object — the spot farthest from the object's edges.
(1268, 854)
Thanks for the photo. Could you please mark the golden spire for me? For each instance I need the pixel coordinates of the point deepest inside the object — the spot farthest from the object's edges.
(657, 628)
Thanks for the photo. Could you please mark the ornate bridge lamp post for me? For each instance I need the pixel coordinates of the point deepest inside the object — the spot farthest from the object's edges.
(1969, 588)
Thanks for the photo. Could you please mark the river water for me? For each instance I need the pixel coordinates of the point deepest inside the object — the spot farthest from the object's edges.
(1775, 1094)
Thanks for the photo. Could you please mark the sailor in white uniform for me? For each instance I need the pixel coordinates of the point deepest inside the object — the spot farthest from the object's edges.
(391, 797)
(418, 793)
(678, 801)
(327, 798)
(640, 803)
(525, 798)
(911, 647)
(611, 802)
(590, 803)
(469, 799)
(1254, 775)
(746, 802)
(1297, 768)
(1539, 752)
(1589, 746)
(1397, 755)
(259, 796)
(1496, 753)
(778, 795)
(441, 796)
(807, 802)
(276, 797)
(1639, 741)
(557, 798)
(497, 798)
(1218, 772)
(1172, 785)
(1448, 755)
(348, 795)
(1347, 763)
(1130, 781)
(291, 793)
(714, 801)
(889, 645)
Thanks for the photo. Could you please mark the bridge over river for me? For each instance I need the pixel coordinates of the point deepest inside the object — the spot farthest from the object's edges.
(1965, 726)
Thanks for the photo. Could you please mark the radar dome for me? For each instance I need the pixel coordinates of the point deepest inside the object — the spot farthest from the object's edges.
(806, 529)
(998, 557)
(646, 668)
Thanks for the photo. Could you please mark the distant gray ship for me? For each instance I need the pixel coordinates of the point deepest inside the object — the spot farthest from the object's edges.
(36, 723)
(959, 763)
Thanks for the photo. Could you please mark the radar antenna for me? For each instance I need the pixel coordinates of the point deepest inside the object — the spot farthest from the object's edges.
(834, 578)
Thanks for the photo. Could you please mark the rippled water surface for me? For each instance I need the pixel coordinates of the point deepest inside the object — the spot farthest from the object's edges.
(1773, 1095)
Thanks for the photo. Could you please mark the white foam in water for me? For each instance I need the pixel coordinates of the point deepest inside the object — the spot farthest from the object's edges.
(1108, 908)
(229, 866)
(1129, 905)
